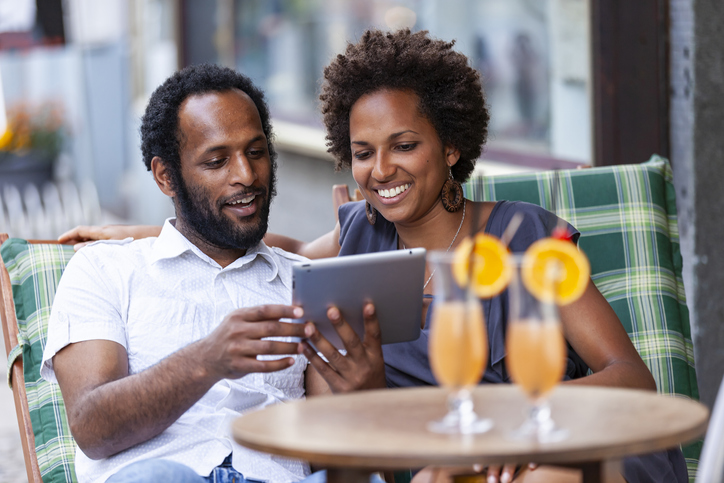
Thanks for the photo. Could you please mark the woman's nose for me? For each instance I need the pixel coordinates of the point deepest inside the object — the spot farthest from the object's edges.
(383, 168)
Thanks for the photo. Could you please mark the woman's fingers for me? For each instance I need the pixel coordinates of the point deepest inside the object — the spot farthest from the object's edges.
(496, 474)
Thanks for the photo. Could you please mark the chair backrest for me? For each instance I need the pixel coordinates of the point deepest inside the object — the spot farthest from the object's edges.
(628, 223)
(711, 465)
(29, 274)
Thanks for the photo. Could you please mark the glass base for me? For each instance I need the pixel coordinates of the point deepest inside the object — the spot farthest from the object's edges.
(452, 424)
(539, 427)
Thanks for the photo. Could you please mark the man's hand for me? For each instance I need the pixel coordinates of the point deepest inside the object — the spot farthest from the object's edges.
(231, 351)
(110, 411)
(362, 368)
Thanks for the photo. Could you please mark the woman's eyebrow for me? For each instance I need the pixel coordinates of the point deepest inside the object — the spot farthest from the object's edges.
(389, 138)
(398, 134)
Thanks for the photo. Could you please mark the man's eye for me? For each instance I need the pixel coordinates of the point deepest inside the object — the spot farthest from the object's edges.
(215, 162)
(257, 153)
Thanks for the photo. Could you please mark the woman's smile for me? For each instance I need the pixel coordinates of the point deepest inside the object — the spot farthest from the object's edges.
(392, 194)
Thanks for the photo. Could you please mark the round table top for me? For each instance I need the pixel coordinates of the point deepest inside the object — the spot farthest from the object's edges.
(386, 429)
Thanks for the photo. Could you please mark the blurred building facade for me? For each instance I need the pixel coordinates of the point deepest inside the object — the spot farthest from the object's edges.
(568, 82)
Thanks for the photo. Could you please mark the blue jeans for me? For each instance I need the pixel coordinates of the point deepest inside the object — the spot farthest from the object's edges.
(154, 470)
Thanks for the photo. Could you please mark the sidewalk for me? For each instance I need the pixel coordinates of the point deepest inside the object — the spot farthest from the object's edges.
(12, 464)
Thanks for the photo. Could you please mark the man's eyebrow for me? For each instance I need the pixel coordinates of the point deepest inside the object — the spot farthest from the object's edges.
(389, 138)
(220, 147)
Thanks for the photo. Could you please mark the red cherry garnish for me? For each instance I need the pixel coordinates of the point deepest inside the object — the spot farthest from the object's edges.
(561, 233)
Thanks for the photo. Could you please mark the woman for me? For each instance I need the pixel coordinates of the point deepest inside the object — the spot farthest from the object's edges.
(407, 114)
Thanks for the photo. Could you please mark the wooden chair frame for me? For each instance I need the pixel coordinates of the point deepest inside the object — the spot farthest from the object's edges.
(10, 335)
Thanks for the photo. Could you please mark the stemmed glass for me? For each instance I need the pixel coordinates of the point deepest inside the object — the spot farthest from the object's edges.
(536, 357)
(458, 348)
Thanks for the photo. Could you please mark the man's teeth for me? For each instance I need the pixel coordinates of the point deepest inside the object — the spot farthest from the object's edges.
(394, 191)
(243, 201)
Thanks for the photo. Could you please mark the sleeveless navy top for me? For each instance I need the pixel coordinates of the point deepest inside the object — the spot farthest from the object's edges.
(407, 363)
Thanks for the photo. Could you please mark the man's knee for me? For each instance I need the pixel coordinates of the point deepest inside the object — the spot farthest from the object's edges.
(153, 470)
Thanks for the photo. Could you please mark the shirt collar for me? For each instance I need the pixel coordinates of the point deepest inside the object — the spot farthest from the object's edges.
(171, 244)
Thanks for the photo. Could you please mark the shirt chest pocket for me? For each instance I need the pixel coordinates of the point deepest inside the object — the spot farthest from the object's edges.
(158, 327)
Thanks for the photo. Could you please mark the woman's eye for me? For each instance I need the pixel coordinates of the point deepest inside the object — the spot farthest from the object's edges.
(362, 155)
(407, 147)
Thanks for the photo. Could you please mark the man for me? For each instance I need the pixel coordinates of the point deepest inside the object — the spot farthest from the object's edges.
(158, 344)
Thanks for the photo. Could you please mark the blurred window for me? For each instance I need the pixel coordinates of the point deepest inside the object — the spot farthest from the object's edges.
(533, 56)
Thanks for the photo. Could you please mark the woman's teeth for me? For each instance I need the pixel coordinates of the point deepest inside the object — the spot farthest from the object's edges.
(243, 201)
(394, 191)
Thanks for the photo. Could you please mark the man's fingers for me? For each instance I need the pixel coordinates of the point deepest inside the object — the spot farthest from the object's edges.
(270, 328)
(269, 365)
(268, 312)
(271, 347)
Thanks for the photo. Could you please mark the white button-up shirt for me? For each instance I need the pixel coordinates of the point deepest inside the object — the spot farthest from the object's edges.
(154, 296)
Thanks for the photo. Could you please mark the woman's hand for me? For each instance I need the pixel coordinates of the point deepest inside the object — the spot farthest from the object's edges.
(81, 235)
(493, 473)
(362, 367)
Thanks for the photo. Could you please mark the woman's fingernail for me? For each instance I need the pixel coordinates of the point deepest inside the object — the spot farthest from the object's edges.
(477, 468)
(505, 478)
(492, 479)
(298, 312)
(309, 330)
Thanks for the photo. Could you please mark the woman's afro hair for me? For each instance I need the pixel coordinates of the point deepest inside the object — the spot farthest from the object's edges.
(450, 93)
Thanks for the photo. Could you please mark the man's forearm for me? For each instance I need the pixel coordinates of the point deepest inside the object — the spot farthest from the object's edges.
(122, 413)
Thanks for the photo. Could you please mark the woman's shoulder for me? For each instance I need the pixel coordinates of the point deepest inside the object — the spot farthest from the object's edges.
(358, 235)
(537, 223)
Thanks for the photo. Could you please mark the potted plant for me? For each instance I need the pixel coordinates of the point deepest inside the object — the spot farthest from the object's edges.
(31, 143)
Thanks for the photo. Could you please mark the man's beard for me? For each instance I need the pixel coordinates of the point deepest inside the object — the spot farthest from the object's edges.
(195, 207)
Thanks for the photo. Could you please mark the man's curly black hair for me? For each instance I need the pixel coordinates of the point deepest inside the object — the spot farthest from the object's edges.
(160, 134)
(451, 96)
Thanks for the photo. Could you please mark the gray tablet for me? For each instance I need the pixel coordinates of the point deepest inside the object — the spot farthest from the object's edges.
(392, 280)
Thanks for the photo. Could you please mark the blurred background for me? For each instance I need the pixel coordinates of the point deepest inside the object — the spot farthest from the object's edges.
(76, 76)
(569, 83)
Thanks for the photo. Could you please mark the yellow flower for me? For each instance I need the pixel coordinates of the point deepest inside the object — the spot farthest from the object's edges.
(5, 140)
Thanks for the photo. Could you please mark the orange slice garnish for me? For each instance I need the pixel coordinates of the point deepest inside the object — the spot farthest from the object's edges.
(555, 270)
(492, 265)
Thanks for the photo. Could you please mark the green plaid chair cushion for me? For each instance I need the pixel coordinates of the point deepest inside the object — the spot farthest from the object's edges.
(35, 271)
(628, 224)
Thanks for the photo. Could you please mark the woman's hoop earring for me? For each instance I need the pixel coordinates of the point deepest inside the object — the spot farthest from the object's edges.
(371, 213)
(451, 194)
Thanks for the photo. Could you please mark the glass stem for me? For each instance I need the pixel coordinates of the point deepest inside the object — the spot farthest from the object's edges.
(461, 403)
(540, 416)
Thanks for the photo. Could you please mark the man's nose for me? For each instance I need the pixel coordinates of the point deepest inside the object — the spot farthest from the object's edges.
(383, 168)
(241, 171)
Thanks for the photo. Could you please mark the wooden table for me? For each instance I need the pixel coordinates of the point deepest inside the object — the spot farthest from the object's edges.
(355, 434)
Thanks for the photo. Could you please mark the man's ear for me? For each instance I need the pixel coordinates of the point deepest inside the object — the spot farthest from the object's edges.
(162, 175)
(452, 155)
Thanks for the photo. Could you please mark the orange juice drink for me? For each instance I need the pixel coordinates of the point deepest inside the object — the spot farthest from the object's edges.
(536, 355)
(458, 343)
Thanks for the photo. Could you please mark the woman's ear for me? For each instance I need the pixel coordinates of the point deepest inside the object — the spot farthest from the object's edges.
(452, 155)
(162, 175)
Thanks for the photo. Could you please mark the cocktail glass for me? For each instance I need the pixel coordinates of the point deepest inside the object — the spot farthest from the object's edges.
(458, 348)
(535, 357)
